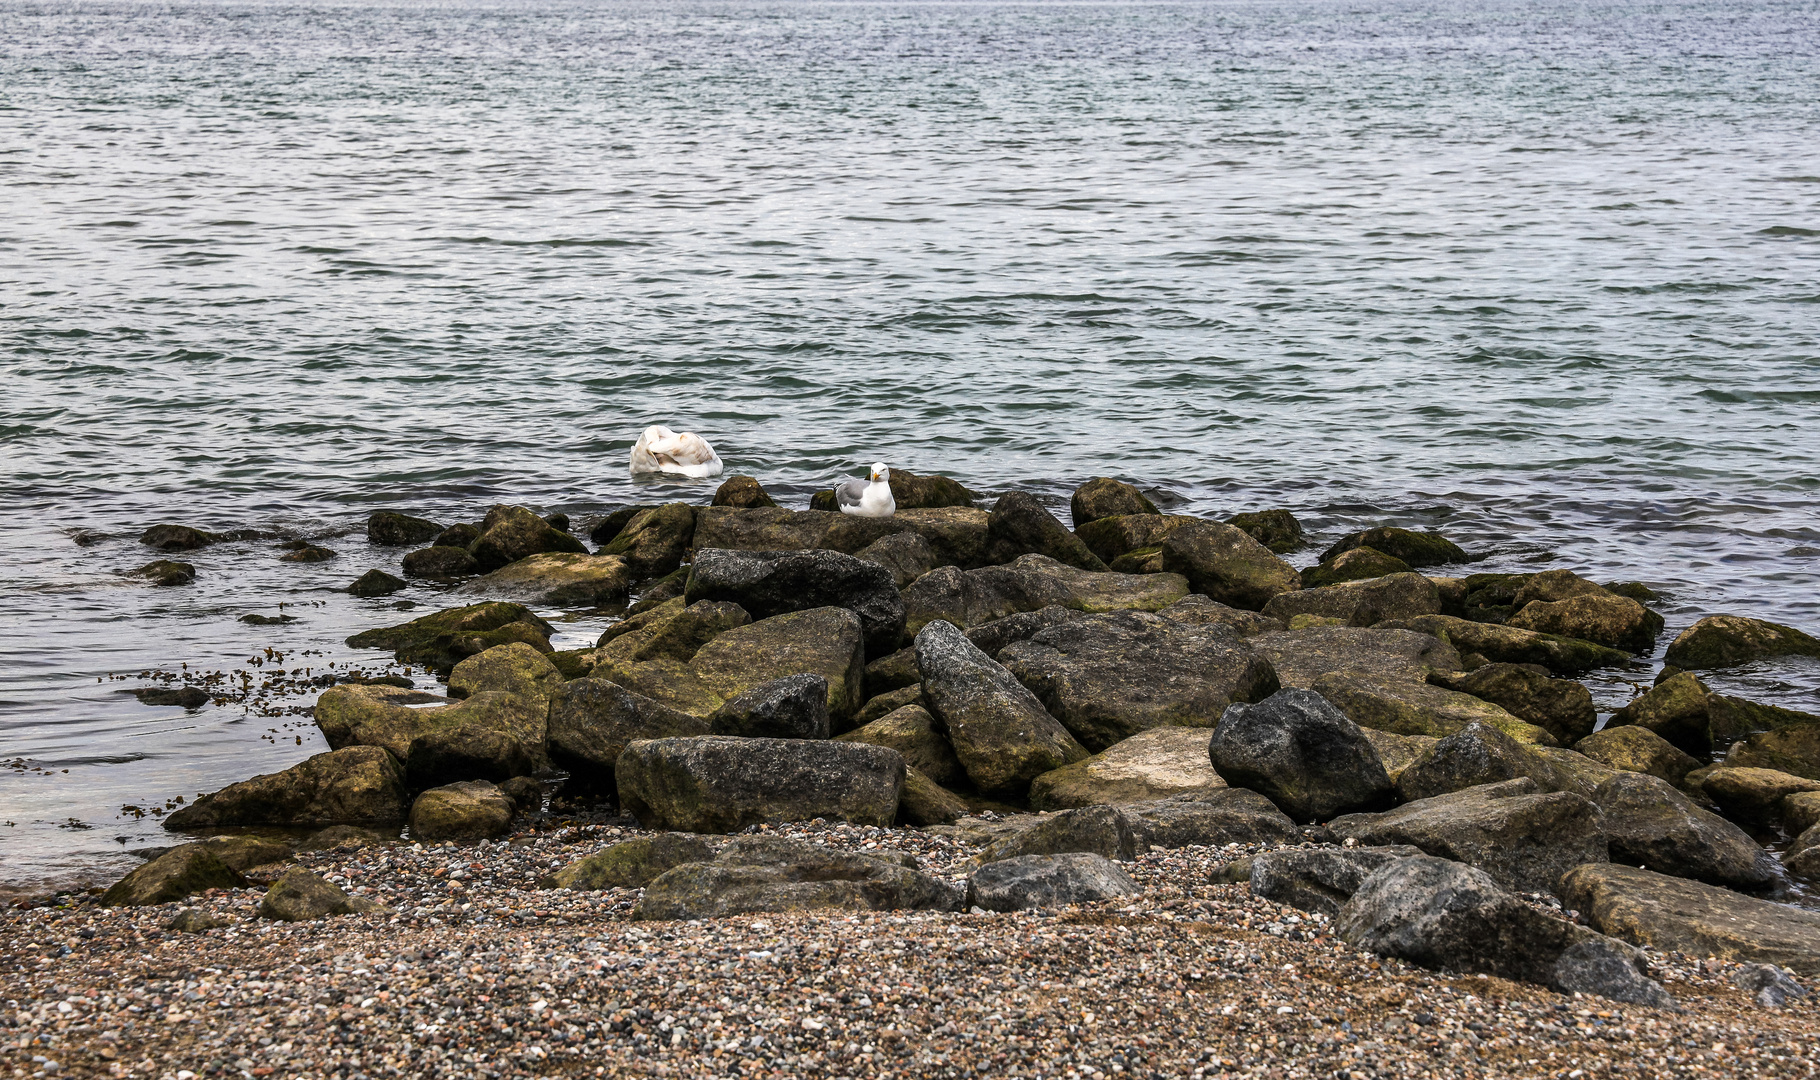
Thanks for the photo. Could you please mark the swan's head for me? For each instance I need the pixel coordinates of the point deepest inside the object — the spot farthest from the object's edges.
(880, 474)
(659, 439)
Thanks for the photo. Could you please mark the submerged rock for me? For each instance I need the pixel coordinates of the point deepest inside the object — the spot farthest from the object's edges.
(188, 697)
(355, 785)
(308, 553)
(440, 563)
(1047, 881)
(721, 784)
(176, 538)
(1104, 497)
(375, 583)
(391, 529)
(166, 572)
(1414, 548)
(1673, 914)
(1225, 564)
(1728, 640)
(1150, 765)
(556, 579)
(1302, 754)
(1001, 733)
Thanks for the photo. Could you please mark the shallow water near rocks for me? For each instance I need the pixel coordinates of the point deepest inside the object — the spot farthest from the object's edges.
(1542, 276)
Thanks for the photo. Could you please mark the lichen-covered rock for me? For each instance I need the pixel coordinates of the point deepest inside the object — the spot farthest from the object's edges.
(375, 583)
(654, 541)
(1047, 881)
(1793, 750)
(355, 785)
(1672, 914)
(300, 896)
(1415, 548)
(905, 554)
(1001, 733)
(671, 631)
(1675, 709)
(1474, 755)
(631, 864)
(1729, 719)
(744, 492)
(1102, 830)
(1224, 563)
(1108, 677)
(1144, 560)
(1111, 538)
(1209, 819)
(1728, 640)
(1300, 657)
(556, 580)
(1320, 880)
(882, 705)
(1361, 603)
(1753, 796)
(513, 668)
(1032, 583)
(393, 529)
(720, 784)
(608, 528)
(182, 871)
(793, 707)
(1561, 706)
(1638, 749)
(592, 721)
(1302, 754)
(767, 583)
(826, 641)
(1523, 838)
(1599, 617)
(176, 538)
(1358, 564)
(470, 810)
(911, 731)
(1104, 497)
(916, 491)
(510, 533)
(1399, 752)
(490, 736)
(440, 563)
(461, 535)
(441, 640)
(1197, 610)
(166, 572)
(1022, 526)
(925, 802)
(1649, 823)
(1415, 708)
(1515, 645)
(1277, 529)
(1440, 914)
(761, 874)
(1154, 764)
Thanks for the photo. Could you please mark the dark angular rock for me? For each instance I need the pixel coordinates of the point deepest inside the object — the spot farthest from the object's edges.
(1649, 823)
(1474, 755)
(1021, 526)
(608, 528)
(1728, 640)
(768, 583)
(682, 635)
(1562, 706)
(793, 707)
(440, 563)
(741, 491)
(592, 721)
(1415, 548)
(1277, 530)
(992, 637)
(300, 896)
(905, 554)
(1320, 880)
(526, 793)
(1104, 497)
(176, 538)
(510, 533)
(470, 810)
(1224, 563)
(394, 529)
(441, 640)
(461, 536)
(1769, 984)
(376, 583)
(1047, 881)
(1302, 754)
(1361, 603)
(356, 785)
(491, 735)
(1108, 677)
(1102, 830)
(914, 491)
(910, 730)
(1209, 819)
(1640, 750)
(1440, 914)
(654, 542)
(714, 783)
(631, 864)
(1522, 838)
(182, 871)
(166, 572)
(1001, 733)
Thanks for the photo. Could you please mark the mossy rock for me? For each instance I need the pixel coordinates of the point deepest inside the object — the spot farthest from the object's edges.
(557, 579)
(354, 785)
(1111, 538)
(510, 533)
(389, 528)
(1728, 640)
(1104, 497)
(741, 491)
(654, 542)
(513, 668)
(441, 640)
(490, 735)
(573, 663)
(1632, 748)
(300, 896)
(1358, 564)
(468, 810)
(1415, 548)
(1144, 560)
(911, 731)
(1413, 708)
(1513, 645)
(1226, 564)
(1277, 530)
(631, 864)
(179, 872)
(375, 583)
(177, 538)
(166, 572)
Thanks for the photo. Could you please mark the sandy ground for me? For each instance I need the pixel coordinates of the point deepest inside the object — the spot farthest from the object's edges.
(471, 970)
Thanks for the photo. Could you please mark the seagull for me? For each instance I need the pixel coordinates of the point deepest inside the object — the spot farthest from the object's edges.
(872, 499)
(660, 450)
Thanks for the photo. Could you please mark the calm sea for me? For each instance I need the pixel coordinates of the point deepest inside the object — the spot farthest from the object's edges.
(1544, 275)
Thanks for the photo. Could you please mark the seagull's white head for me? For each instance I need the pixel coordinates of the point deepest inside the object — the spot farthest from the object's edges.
(880, 474)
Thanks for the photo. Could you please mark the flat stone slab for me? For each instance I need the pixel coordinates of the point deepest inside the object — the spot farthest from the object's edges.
(1670, 913)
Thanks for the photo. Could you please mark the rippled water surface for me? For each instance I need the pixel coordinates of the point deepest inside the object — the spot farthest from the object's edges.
(1544, 275)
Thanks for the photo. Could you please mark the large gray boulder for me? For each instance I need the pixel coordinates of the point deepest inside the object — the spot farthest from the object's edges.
(1523, 838)
(721, 784)
(766, 874)
(1320, 880)
(356, 785)
(1021, 526)
(1302, 754)
(1672, 914)
(1650, 824)
(1099, 829)
(1361, 603)
(1209, 819)
(1031, 583)
(767, 583)
(793, 707)
(1047, 881)
(1001, 733)
(1440, 914)
(592, 721)
(1109, 677)
(470, 810)
(1226, 564)
(1154, 764)
(1476, 755)
(1728, 640)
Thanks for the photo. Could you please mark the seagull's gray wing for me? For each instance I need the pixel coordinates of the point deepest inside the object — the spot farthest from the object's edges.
(848, 492)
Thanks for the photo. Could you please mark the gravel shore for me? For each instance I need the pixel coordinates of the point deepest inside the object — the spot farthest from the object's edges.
(472, 970)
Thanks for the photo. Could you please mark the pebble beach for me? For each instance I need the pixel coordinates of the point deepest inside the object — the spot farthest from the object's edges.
(469, 968)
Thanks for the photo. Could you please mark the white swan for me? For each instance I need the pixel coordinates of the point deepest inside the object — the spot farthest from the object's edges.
(660, 450)
(869, 499)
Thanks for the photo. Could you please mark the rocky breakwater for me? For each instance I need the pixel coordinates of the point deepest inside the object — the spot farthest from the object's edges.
(1154, 682)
